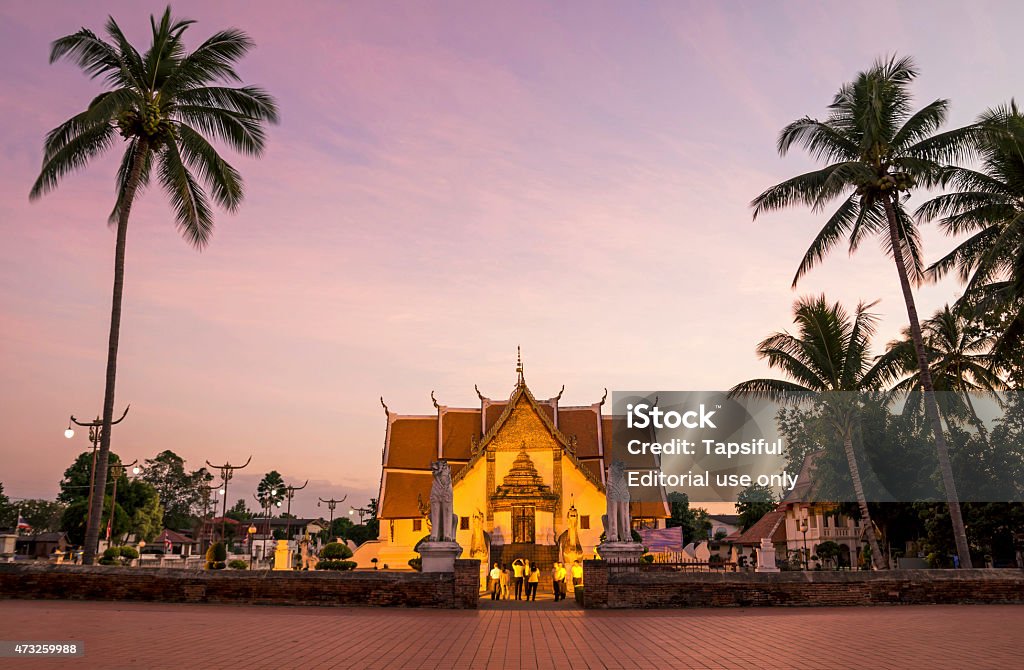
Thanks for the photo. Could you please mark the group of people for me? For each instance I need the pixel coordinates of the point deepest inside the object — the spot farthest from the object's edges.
(523, 578)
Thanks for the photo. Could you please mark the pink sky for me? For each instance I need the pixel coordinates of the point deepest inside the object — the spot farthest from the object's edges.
(449, 181)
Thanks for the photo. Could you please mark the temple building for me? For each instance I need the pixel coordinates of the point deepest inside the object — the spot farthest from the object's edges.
(527, 479)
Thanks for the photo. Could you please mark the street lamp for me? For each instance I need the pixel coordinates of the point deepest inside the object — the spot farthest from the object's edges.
(95, 434)
(116, 471)
(289, 493)
(803, 529)
(226, 472)
(331, 504)
(361, 511)
(251, 531)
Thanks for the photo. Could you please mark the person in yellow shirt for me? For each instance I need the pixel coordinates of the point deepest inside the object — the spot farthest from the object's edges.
(558, 581)
(577, 574)
(517, 576)
(532, 582)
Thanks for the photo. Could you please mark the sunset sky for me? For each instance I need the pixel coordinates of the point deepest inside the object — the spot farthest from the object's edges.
(449, 181)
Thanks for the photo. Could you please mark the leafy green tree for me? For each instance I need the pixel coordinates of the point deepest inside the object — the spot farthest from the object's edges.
(753, 503)
(827, 360)
(8, 514)
(164, 104)
(181, 492)
(142, 504)
(987, 205)
(43, 515)
(695, 522)
(828, 552)
(239, 511)
(877, 151)
(962, 365)
(270, 490)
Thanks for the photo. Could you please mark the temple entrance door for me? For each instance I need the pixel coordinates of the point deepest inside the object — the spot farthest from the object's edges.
(524, 524)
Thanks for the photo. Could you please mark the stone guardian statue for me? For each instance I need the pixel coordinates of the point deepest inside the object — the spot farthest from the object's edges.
(442, 517)
(617, 525)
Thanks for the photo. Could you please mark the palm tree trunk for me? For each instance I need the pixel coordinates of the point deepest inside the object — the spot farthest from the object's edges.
(930, 407)
(877, 558)
(92, 532)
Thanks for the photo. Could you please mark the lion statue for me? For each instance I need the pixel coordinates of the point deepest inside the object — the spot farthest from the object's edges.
(442, 517)
(617, 525)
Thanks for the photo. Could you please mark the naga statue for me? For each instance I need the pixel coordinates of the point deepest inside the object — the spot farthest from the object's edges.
(569, 546)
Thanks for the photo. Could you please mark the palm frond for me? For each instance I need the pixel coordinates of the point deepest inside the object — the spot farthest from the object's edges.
(75, 154)
(193, 216)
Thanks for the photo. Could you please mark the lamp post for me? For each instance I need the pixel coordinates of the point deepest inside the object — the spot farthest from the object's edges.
(361, 511)
(207, 535)
(331, 504)
(226, 472)
(95, 435)
(289, 493)
(116, 471)
(803, 529)
(251, 532)
(266, 501)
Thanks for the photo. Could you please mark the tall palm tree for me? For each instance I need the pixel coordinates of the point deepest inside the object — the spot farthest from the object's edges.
(988, 204)
(877, 151)
(961, 363)
(163, 104)
(828, 359)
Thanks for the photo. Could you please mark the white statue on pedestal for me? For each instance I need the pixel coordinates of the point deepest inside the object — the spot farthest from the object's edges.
(766, 556)
(442, 518)
(617, 525)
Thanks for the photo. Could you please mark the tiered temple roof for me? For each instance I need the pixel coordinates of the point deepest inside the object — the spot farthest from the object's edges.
(459, 434)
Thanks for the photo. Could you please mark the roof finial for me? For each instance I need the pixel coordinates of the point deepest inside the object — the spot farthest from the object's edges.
(519, 363)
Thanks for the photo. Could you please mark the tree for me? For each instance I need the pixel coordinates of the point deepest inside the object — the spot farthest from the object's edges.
(181, 492)
(828, 552)
(161, 102)
(878, 150)
(988, 205)
(74, 487)
(827, 360)
(239, 511)
(695, 522)
(753, 503)
(270, 490)
(7, 512)
(961, 365)
(43, 515)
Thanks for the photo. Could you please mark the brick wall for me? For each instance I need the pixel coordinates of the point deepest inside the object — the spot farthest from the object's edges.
(613, 589)
(373, 588)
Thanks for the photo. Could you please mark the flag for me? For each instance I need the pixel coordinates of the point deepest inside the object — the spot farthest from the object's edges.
(109, 520)
(168, 545)
(22, 524)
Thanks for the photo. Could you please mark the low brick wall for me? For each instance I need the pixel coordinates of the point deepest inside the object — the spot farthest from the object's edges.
(374, 588)
(614, 588)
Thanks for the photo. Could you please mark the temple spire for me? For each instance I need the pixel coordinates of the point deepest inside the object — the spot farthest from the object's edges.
(519, 364)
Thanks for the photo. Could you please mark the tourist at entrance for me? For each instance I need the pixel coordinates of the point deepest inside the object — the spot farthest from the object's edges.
(558, 581)
(504, 582)
(532, 582)
(517, 576)
(577, 574)
(495, 582)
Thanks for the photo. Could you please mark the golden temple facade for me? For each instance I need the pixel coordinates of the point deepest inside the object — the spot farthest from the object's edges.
(528, 479)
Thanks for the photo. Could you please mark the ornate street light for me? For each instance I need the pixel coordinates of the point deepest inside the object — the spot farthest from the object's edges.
(95, 434)
(331, 504)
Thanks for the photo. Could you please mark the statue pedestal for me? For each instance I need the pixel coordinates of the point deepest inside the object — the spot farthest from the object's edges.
(766, 557)
(439, 556)
(282, 556)
(620, 552)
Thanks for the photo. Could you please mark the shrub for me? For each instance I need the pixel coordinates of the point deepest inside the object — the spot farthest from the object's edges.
(238, 564)
(647, 558)
(335, 551)
(330, 564)
(416, 564)
(215, 556)
(118, 555)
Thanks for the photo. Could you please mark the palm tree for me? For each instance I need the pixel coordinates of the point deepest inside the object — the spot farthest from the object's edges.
(877, 150)
(161, 103)
(961, 364)
(828, 360)
(988, 204)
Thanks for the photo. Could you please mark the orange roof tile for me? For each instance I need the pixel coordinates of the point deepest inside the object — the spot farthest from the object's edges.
(402, 491)
(458, 430)
(581, 422)
(412, 442)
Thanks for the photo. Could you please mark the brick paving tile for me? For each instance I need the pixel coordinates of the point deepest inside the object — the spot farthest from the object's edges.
(125, 635)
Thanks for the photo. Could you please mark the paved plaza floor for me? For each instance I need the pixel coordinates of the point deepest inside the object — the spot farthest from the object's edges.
(130, 635)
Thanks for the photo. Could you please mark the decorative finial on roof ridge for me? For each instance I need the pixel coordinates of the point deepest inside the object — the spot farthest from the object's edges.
(519, 363)
(434, 400)
(386, 412)
(478, 394)
(560, 392)
(605, 396)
